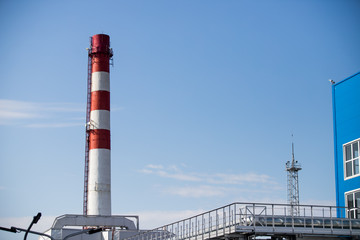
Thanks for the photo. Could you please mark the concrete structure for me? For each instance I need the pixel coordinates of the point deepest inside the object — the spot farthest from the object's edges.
(346, 117)
(97, 187)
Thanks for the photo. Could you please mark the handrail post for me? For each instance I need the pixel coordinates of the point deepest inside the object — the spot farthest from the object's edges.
(273, 221)
(197, 224)
(331, 221)
(253, 215)
(229, 216)
(181, 232)
(312, 219)
(209, 225)
(217, 222)
(224, 221)
(203, 226)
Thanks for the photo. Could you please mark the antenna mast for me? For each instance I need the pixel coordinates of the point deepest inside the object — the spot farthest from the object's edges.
(292, 168)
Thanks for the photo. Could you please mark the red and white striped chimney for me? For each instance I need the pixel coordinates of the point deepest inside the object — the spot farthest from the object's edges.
(99, 172)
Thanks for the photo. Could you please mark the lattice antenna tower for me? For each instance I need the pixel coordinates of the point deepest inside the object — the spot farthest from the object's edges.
(293, 168)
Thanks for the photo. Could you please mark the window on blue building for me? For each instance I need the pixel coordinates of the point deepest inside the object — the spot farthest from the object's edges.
(353, 203)
(351, 159)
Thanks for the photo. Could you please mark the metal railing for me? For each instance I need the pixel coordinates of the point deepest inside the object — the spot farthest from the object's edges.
(241, 218)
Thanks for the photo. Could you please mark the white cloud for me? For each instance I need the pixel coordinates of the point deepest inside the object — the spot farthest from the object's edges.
(170, 172)
(10, 109)
(212, 185)
(40, 115)
(175, 172)
(153, 166)
(197, 191)
(179, 176)
(8, 114)
(241, 178)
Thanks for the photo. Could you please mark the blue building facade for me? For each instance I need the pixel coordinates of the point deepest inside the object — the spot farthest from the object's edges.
(346, 117)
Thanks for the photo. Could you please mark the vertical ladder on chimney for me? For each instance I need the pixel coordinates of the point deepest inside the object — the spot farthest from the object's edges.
(88, 109)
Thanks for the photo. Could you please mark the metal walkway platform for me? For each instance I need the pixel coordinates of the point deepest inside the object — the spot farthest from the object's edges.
(250, 220)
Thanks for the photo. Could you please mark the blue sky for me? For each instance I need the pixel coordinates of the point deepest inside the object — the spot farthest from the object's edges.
(205, 96)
